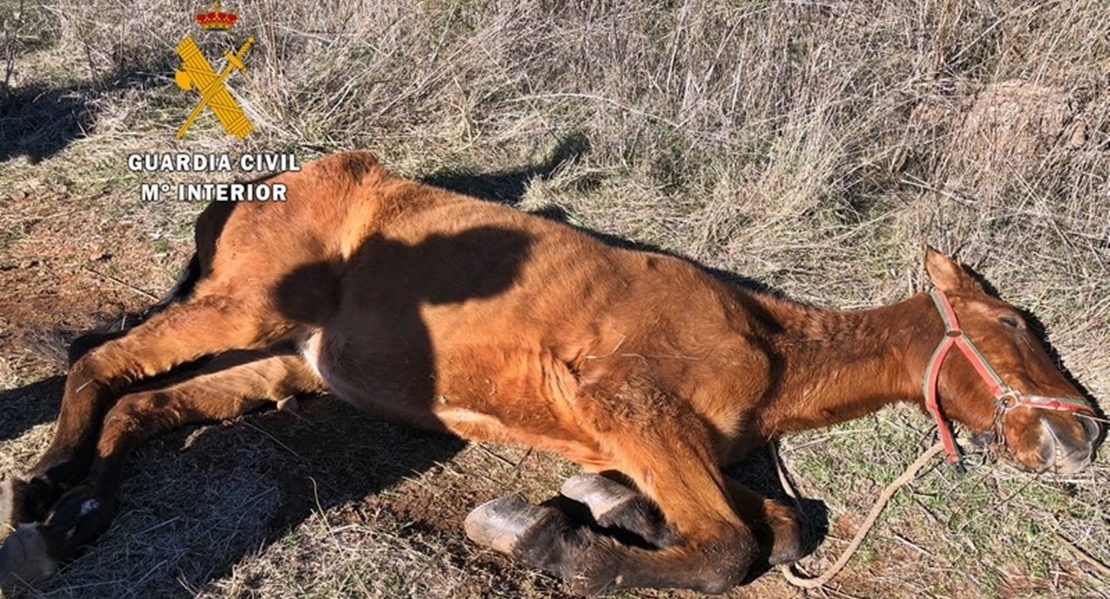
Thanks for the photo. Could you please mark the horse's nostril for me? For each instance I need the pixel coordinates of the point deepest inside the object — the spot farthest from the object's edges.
(1091, 427)
(984, 438)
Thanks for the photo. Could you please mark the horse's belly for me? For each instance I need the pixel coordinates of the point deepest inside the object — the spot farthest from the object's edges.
(389, 384)
(520, 396)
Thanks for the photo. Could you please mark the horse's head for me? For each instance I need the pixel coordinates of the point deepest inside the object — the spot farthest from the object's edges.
(1001, 383)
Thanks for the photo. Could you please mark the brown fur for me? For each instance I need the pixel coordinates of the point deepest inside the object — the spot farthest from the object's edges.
(453, 314)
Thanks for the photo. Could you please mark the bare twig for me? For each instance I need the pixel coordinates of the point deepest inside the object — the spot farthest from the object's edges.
(494, 455)
(108, 277)
(9, 49)
(273, 438)
(1083, 555)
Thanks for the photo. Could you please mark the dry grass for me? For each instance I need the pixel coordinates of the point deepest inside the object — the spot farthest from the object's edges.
(809, 145)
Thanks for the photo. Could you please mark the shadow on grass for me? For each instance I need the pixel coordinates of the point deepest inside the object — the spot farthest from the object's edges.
(38, 121)
(508, 186)
(197, 502)
(325, 455)
(24, 407)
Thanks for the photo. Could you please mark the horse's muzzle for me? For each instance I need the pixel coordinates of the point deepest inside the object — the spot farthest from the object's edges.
(1065, 452)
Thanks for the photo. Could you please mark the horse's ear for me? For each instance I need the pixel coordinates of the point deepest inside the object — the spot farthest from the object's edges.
(945, 273)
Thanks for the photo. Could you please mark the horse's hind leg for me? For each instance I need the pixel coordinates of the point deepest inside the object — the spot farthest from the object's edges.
(231, 385)
(199, 327)
(712, 550)
(29, 498)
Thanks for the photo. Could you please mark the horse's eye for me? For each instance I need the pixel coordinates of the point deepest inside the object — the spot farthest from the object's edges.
(1010, 320)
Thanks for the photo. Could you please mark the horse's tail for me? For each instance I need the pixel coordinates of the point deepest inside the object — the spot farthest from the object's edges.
(182, 289)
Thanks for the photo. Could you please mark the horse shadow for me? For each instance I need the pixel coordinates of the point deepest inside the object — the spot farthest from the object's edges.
(509, 186)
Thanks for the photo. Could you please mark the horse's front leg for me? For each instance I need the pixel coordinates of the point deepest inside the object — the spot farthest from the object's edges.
(28, 498)
(614, 504)
(665, 450)
(777, 527)
(231, 385)
(182, 333)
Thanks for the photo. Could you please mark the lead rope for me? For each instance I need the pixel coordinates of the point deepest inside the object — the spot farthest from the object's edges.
(800, 580)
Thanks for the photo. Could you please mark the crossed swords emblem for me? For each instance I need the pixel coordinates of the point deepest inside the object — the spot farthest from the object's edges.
(197, 73)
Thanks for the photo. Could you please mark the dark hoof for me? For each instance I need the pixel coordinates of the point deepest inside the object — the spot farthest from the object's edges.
(25, 558)
(614, 505)
(504, 523)
(79, 518)
(24, 501)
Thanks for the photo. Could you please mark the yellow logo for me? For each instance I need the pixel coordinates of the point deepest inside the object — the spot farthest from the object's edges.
(196, 73)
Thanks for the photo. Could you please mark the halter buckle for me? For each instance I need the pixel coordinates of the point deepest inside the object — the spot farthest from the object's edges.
(1009, 399)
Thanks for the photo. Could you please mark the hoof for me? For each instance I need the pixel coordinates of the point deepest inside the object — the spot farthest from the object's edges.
(288, 404)
(613, 505)
(24, 558)
(80, 516)
(503, 523)
(26, 500)
(603, 496)
(23, 501)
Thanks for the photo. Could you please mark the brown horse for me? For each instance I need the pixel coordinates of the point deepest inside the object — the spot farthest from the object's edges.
(458, 315)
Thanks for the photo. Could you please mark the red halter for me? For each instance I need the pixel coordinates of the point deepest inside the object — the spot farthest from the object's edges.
(1005, 397)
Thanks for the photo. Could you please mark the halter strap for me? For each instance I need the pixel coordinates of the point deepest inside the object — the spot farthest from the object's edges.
(1005, 396)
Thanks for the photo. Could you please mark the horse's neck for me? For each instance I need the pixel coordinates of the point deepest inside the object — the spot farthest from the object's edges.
(837, 366)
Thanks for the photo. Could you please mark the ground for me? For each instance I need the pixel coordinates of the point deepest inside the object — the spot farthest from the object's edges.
(811, 146)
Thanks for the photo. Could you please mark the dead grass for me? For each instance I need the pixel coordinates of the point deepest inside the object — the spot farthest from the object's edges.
(811, 146)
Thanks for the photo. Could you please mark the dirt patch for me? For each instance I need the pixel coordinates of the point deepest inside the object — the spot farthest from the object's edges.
(64, 273)
(1015, 120)
(988, 135)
